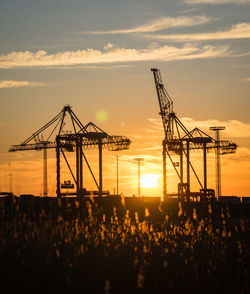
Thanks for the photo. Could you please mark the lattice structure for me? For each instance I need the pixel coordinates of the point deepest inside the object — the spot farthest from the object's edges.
(78, 139)
(218, 152)
(179, 141)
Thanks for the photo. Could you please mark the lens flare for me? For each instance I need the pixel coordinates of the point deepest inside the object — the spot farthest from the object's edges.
(101, 115)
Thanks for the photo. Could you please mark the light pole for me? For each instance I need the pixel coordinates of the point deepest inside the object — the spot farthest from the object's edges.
(217, 162)
(139, 175)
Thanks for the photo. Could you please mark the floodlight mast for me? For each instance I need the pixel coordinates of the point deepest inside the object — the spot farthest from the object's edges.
(217, 161)
(139, 174)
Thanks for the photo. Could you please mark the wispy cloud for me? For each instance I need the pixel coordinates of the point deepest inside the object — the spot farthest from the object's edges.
(216, 1)
(114, 55)
(159, 24)
(18, 84)
(246, 80)
(234, 129)
(238, 31)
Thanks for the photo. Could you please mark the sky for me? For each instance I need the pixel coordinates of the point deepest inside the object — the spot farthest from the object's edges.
(96, 56)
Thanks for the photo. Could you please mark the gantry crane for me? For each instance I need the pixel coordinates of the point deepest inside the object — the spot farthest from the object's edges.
(37, 141)
(81, 137)
(179, 141)
(91, 137)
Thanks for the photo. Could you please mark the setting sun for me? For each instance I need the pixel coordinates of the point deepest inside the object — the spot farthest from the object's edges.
(149, 181)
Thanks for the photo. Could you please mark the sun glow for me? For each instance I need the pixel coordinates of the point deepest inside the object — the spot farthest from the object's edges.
(149, 181)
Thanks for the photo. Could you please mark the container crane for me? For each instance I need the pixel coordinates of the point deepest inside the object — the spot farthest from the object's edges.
(81, 137)
(92, 137)
(37, 142)
(179, 141)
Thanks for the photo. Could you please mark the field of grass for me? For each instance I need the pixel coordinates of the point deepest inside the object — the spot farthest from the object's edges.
(123, 246)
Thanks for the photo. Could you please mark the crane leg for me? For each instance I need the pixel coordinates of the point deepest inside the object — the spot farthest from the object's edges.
(181, 172)
(77, 168)
(45, 177)
(205, 168)
(58, 191)
(80, 166)
(100, 167)
(188, 171)
(164, 170)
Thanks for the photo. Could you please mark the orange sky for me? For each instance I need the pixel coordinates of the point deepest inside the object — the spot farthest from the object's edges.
(26, 166)
(96, 56)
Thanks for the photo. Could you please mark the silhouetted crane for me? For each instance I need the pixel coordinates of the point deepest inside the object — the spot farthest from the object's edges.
(178, 140)
(81, 137)
(37, 142)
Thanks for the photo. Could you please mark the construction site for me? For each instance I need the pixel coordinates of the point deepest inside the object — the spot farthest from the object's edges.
(177, 145)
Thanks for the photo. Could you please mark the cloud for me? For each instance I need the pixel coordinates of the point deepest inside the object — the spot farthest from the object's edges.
(234, 129)
(159, 24)
(114, 55)
(216, 1)
(238, 31)
(246, 80)
(18, 84)
(108, 46)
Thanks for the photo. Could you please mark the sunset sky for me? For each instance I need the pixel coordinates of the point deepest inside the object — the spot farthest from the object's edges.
(96, 56)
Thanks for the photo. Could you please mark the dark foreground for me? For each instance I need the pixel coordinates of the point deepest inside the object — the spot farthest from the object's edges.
(117, 246)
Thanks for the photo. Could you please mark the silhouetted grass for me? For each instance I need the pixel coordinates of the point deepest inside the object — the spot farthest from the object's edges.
(117, 246)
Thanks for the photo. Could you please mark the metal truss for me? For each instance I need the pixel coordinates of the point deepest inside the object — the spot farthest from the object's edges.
(179, 141)
(81, 138)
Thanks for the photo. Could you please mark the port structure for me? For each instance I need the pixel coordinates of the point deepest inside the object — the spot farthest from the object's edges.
(91, 136)
(179, 141)
(218, 152)
(139, 160)
(81, 137)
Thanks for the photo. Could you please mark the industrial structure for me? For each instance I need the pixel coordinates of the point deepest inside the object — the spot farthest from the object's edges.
(217, 159)
(78, 139)
(179, 141)
(139, 175)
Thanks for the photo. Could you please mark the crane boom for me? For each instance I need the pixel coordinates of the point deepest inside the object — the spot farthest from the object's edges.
(59, 118)
(166, 104)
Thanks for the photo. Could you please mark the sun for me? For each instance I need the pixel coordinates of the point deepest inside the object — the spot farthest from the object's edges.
(149, 181)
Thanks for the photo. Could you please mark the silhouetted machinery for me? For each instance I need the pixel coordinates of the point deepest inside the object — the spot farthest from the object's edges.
(79, 139)
(179, 141)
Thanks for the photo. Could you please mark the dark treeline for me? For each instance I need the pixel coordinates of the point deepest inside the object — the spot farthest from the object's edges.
(117, 245)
